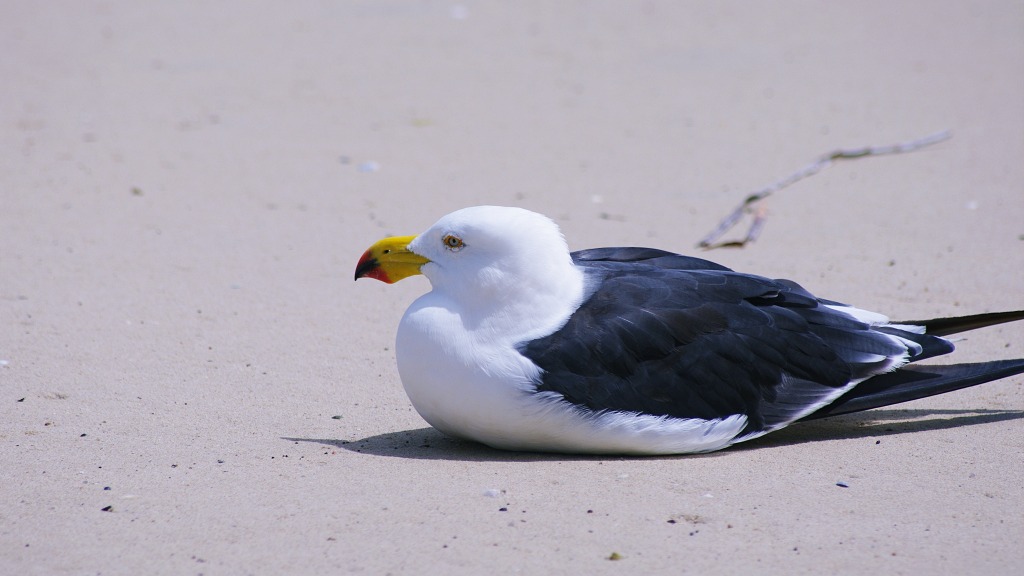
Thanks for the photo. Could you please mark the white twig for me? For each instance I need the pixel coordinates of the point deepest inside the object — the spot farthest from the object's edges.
(824, 161)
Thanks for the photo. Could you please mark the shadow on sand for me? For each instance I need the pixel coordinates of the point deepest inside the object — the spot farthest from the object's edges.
(429, 444)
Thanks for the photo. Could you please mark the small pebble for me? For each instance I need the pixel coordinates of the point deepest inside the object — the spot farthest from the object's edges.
(842, 484)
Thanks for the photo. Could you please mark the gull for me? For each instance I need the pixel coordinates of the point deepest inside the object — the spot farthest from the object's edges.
(523, 345)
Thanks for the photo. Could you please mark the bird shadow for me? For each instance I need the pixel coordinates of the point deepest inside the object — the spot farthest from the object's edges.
(878, 424)
(430, 444)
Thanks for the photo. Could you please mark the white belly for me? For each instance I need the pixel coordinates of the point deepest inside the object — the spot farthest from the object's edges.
(483, 389)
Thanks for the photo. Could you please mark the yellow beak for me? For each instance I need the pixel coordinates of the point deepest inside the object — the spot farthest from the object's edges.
(390, 260)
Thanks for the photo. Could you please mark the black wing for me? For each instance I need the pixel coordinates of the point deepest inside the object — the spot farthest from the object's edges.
(669, 335)
(913, 382)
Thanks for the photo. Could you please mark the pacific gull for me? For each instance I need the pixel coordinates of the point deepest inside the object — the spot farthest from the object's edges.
(522, 345)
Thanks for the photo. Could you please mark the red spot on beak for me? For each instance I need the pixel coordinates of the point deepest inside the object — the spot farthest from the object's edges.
(369, 267)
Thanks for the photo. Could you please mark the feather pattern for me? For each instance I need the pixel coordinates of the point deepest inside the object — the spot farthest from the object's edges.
(668, 335)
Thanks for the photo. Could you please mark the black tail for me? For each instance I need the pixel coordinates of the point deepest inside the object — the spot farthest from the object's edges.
(913, 382)
(947, 326)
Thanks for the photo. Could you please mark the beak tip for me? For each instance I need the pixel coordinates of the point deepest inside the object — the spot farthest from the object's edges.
(369, 267)
(389, 260)
(366, 266)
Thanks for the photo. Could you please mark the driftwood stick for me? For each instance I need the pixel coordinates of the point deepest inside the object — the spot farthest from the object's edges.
(824, 161)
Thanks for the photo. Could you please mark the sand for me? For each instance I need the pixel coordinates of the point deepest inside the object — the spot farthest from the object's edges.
(192, 383)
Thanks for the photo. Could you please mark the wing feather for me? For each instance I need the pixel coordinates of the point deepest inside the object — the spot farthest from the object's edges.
(669, 335)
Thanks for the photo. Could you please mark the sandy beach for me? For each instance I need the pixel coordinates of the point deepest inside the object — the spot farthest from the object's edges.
(193, 384)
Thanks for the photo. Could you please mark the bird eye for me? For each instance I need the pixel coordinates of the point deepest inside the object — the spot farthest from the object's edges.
(453, 242)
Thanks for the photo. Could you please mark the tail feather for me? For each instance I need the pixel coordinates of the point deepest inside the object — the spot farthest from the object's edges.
(947, 326)
(914, 382)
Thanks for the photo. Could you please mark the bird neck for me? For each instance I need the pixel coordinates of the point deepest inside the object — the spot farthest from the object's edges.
(518, 311)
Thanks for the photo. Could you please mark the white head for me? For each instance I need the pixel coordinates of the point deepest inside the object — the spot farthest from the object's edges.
(485, 256)
(489, 249)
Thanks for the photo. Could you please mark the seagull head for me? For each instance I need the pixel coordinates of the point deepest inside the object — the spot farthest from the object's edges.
(479, 249)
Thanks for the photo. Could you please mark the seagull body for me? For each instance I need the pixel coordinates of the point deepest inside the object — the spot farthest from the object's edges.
(522, 345)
